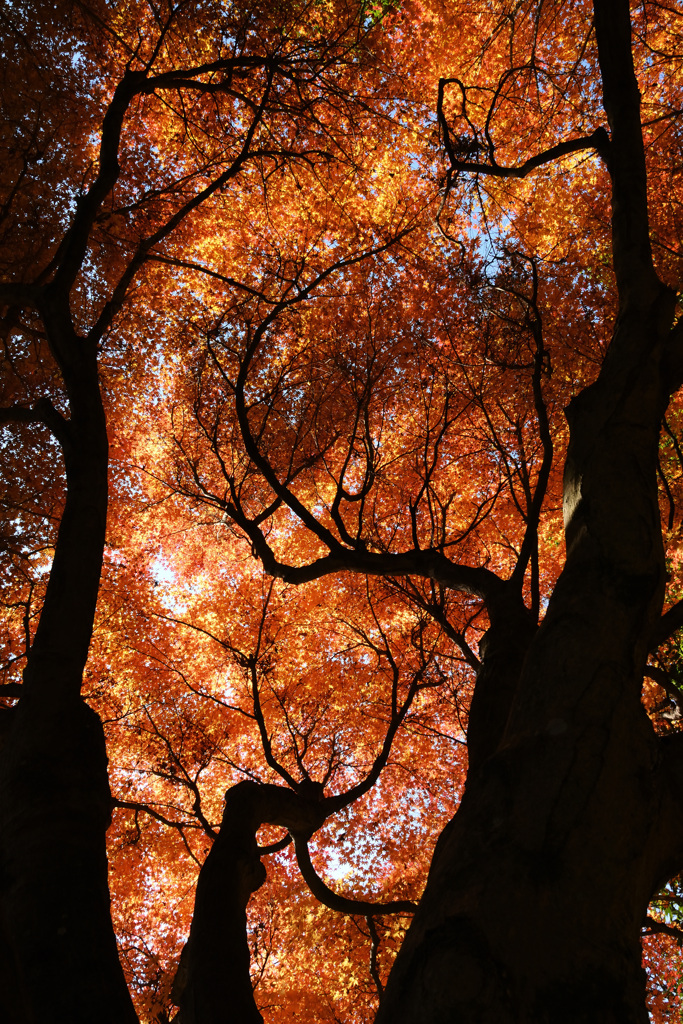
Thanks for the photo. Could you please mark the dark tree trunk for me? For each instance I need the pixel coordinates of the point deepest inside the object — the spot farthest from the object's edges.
(54, 812)
(213, 984)
(54, 793)
(540, 884)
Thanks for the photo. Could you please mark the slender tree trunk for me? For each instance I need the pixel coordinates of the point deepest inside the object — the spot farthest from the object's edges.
(54, 793)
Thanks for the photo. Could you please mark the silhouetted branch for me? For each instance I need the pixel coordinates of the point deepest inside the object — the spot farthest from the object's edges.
(343, 904)
(670, 623)
(652, 927)
(374, 946)
(597, 140)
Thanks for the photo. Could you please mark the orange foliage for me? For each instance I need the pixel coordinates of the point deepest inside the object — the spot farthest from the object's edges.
(290, 259)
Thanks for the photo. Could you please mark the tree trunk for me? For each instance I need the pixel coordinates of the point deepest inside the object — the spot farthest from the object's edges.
(213, 984)
(54, 812)
(55, 802)
(540, 884)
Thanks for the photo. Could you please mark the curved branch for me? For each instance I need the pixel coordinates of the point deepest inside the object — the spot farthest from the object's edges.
(11, 691)
(134, 805)
(301, 294)
(343, 904)
(271, 760)
(17, 294)
(597, 140)
(143, 250)
(398, 714)
(281, 844)
(43, 412)
(75, 242)
(430, 563)
(662, 678)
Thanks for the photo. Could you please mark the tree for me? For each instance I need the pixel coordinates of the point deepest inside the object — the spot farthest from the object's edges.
(351, 263)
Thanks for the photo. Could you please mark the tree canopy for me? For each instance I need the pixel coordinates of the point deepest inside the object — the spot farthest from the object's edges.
(358, 324)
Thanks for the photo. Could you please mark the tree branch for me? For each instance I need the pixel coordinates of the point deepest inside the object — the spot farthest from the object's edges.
(598, 140)
(651, 927)
(429, 563)
(18, 294)
(343, 904)
(44, 412)
(669, 624)
(134, 805)
(76, 240)
(147, 244)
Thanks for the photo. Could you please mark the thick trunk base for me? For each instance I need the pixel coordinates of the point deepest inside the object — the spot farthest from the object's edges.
(54, 895)
(539, 886)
